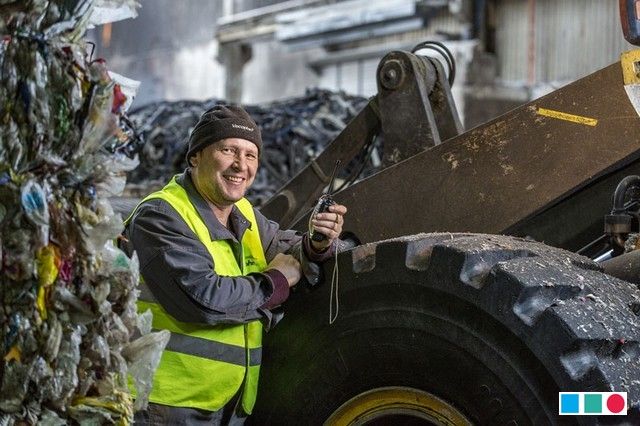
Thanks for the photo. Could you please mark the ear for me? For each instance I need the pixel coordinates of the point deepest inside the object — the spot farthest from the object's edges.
(194, 159)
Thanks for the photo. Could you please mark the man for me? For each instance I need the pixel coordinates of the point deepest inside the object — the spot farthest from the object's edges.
(214, 270)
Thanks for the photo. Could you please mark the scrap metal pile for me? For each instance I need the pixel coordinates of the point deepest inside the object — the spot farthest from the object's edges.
(67, 294)
(293, 131)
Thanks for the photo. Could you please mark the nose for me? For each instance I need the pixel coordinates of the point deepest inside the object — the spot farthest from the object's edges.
(240, 162)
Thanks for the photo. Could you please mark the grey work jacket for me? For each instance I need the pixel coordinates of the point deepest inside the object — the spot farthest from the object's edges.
(180, 273)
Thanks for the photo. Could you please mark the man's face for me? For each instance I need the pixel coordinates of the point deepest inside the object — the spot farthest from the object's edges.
(224, 170)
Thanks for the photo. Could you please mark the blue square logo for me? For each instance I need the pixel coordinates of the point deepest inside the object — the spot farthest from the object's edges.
(569, 403)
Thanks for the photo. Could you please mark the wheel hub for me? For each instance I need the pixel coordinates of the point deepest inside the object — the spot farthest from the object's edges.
(391, 405)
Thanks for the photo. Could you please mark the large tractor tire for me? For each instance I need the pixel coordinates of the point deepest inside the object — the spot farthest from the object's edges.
(453, 329)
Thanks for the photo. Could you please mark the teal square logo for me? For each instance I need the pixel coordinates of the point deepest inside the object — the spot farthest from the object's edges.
(592, 403)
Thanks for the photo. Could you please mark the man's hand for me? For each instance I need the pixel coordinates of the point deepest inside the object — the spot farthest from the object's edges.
(329, 224)
(288, 266)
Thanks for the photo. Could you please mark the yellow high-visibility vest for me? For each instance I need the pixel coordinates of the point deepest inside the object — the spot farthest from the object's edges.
(203, 366)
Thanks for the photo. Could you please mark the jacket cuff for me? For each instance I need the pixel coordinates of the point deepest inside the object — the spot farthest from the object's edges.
(312, 254)
(280, 288)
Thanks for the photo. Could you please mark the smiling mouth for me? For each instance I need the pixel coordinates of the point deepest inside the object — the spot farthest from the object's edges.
(234, 179)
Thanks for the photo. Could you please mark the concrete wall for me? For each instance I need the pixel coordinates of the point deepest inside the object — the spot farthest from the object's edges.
(570, 39)
(275, 73)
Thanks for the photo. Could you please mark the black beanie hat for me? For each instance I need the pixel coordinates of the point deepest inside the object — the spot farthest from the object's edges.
(222, 122)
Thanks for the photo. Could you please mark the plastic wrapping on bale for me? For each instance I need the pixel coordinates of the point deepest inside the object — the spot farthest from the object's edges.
(68, 294)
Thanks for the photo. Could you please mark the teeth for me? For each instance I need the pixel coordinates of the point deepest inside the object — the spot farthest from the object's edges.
(234, 178)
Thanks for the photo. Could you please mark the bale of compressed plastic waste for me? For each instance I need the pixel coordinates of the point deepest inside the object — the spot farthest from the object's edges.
(68, 314)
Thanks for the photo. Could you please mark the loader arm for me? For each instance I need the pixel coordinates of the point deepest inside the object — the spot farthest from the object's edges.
(412, 111)
(299, 194)
(552, 153)
(546, 169)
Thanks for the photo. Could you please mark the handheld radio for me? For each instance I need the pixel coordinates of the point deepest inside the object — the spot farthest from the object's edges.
(323, 204)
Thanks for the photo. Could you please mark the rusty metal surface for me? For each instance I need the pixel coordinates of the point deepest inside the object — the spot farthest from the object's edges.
(625, 267)
(408, 124)
(443, 105)
(416, 106)
(501, 174)
(577, 220)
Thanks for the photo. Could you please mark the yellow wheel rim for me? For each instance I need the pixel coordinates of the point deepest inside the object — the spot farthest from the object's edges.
(379, 403)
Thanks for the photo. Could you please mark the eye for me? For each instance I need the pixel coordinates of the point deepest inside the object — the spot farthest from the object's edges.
(252, 156)
(228, 150)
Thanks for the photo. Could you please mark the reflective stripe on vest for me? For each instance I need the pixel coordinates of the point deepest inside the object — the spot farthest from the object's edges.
(204, 366)
(196, 346)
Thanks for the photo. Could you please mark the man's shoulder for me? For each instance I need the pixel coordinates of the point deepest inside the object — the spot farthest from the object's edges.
(154, 204)
(153, 209)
